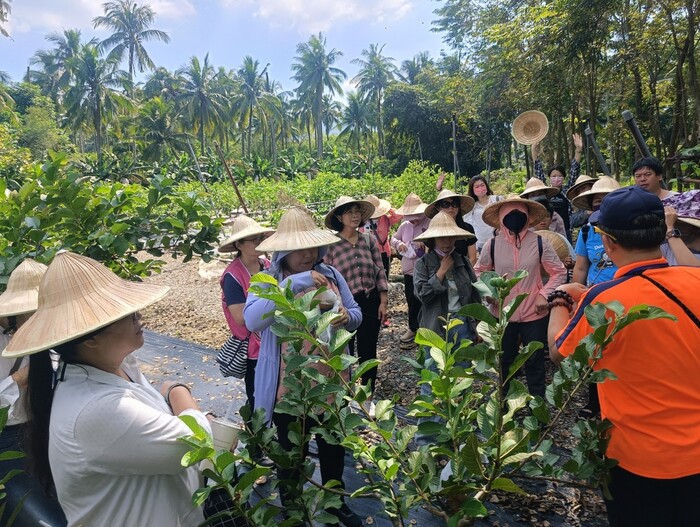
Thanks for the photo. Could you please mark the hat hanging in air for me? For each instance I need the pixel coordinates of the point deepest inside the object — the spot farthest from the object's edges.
(243, 227)
(412, 206)
(297, 230)
(381, 206)
(22, 293)
(602, 187)
(466, 203)
(77, 296)
(443, 226)
(530, 127)
(537, 185)
(333, 222)
(582, 183)
(558, 242)
(536, 211)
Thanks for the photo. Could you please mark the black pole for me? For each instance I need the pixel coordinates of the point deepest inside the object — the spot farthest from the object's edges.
(636, 133)
(596, 151)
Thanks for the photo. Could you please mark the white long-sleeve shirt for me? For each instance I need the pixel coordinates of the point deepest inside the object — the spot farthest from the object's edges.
(9, 390)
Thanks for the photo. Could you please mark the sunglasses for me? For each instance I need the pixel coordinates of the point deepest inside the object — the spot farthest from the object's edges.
(603, 233)
(255, 239)
(448, 205)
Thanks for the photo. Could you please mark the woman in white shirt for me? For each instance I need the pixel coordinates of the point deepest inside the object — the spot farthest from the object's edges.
(483, 196)
(104, 435)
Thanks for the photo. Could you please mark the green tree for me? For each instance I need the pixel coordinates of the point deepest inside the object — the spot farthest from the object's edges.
(158, 124)
(131, 25)
(4, 15)
(356, 120)
(410, 69)
(314, 71)
(376, 72)
(39, 131)
(199, 97)
(331, 113)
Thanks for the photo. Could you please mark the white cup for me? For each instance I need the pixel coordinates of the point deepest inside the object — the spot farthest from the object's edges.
(225, 434)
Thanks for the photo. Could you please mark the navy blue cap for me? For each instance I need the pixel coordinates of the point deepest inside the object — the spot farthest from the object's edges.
(622, 206)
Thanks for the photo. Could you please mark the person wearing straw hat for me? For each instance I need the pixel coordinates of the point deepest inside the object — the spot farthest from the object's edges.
(108, 439)
(483, 196)
(415, 223)
(379, 224)
(456, 205)
(358, 258)
(682, 246)
(17, 304)
(246, 235)
(583, 183)
(557, 179)
(515, 248)
(298, 247)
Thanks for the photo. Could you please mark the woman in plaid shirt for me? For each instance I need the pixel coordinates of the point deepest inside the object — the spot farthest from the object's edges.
(358, 258)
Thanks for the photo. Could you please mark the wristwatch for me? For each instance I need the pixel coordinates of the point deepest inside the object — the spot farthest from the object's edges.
(673, 233)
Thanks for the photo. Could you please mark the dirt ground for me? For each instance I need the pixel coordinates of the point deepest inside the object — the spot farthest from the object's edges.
(192, 311)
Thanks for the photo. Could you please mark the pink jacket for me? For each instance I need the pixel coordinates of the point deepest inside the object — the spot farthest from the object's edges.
(384, 223)
(405, 233)
(509, 258)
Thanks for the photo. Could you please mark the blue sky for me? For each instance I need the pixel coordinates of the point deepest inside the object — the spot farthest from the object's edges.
(268, 30)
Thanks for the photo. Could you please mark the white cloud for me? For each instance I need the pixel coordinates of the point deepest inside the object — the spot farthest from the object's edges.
(49, 15)
(311, 16)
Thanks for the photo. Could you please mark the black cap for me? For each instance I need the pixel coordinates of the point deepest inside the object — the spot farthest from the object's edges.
(621, 207)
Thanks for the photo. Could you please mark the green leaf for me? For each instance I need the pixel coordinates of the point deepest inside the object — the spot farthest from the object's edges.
(473, 508)
(263, 278)
(427, 337)
(478, 312)
(507, 485)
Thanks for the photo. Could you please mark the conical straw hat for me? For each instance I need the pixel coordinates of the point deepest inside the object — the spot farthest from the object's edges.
(78, 296)
(466, 203)
(243, 227)
(537, 185)
(582, 182)
(412, 206)
(381, 206)
(297, 230)
(332, 221)
(558, 243)
(536, 211)
(530, 127)
(22, 293)
(443, 226)
(604, 186)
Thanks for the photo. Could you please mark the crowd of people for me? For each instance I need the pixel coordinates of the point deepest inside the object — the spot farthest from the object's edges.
(103, 441)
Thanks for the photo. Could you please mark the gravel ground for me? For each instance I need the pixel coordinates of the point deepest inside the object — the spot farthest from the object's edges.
(192, 311)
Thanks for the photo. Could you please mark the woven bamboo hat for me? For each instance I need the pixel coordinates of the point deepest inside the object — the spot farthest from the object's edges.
(582, 184)
(466, 203)
(412, 206)
(333, 222)
(530, 127)
(602, 187)
(243, 227)
(443, 226)
(537, 185)
(297, 230)
(558, 242)
(22, 293)
(536, 211)
(381, 206)
(77, 296)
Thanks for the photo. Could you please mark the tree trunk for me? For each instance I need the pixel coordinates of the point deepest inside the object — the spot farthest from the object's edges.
(319, 121)
(201, 133)
(380, 130)
(250, 129)
(693, 70)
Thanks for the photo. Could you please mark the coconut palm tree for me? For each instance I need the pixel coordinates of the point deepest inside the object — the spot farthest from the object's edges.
(161, 83)
(376, 72)
(158, 122)
(411, 68)
(5, 11)
(332, 110)
(6, 102)
(314, 71)
(130, 23)
(356, 119)
(94, 94)
(200, 99)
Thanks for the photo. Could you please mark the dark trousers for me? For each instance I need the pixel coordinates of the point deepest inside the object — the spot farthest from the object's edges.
(386, 260)
(250, 382)
(365, 340)
(526, 332)
(331, 459)
(645, 502)
(412, 301)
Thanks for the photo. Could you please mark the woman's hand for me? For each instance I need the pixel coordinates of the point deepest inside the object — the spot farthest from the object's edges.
(446, 264)
(318, 279)
(401, 246)
(578, 142)
(341, 318)
(21, 377)
(541, 304)
(569, 262)
(671, 216)
(382, 313)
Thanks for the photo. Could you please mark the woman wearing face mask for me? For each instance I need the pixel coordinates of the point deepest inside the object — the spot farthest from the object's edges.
(456, 206)
(515, 248)
(483, 196)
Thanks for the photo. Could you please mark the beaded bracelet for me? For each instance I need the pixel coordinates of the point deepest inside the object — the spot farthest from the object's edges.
(170, 389)
(565, 304)
(558, 293)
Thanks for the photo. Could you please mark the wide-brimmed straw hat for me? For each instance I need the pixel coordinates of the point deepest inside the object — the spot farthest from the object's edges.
(537, 185)
(583, 181)
(381, 206)
(536, 211)
(466, 203)
(333, 222)
(558, 243)
(22, 293)
(443, 226)
(412, 206)
(77, 296)
(297, 230)
(602, 187)
(530, 127)
(243, 227)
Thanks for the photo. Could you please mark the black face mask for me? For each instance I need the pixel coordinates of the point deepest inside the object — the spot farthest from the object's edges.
(515, 221)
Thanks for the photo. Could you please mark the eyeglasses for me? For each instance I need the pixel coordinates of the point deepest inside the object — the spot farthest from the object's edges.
(448, 205)
(255, 239)
(603, 233)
